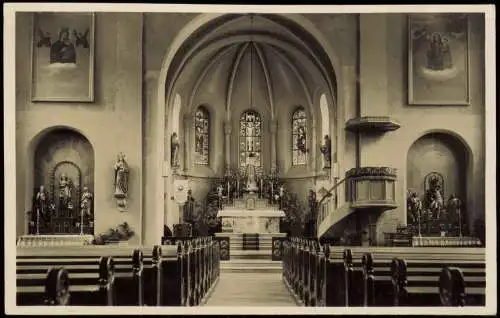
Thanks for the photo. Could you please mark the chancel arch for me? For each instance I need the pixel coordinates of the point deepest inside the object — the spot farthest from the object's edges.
(234, 67)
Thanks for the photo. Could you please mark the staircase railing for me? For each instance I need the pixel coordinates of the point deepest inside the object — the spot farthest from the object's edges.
(323, 208)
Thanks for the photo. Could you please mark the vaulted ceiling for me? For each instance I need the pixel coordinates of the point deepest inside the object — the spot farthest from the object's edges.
(279, 53)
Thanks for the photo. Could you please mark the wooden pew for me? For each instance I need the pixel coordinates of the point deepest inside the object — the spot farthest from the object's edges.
(55, 288)
(85, 270)
(365, 276)
(179, 275)
(415, 283)
(191, 273)
(412, 278)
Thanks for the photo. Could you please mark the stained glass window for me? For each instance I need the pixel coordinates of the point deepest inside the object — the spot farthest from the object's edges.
(250, 139)
(202, 136)
(299, 137)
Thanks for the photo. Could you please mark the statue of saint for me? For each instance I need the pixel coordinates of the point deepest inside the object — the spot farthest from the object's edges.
(453, 206)
(65, 191)
(220, 189)
(41, 200)
(251, 185)
(174, 150)
(414, 207)
(86, 203)
(121, 176)
(326, 150)
(436, 202)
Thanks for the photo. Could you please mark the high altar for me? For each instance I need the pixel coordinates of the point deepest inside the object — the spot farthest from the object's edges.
(250, 214)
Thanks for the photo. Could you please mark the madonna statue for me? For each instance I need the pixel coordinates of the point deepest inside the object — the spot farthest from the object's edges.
(121, 177)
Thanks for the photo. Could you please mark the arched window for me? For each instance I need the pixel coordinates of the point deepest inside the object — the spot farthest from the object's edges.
(250, 139)
(325, 118)
(201, 136)
(299, 137)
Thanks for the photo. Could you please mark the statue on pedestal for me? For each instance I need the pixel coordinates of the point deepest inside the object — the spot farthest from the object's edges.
(42, 208)
(326, 150)
(414, 208)
(86, 203)
(121, 180)
(174, 150)
(454, 212)
(41, 200)
(220, 190)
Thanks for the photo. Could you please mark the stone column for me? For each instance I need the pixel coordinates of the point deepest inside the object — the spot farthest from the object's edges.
(273, 127)
(227, 145)
(187, 141)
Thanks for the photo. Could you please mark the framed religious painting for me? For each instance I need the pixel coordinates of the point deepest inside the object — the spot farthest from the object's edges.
(63, 57)
(438, 63)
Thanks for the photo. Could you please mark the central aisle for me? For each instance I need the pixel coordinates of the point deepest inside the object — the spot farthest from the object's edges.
(250, 289)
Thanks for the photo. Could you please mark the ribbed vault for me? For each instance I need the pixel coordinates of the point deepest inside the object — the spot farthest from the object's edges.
(280, 55)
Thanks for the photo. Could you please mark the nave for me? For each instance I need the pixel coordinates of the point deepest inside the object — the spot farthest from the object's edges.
(251, 289)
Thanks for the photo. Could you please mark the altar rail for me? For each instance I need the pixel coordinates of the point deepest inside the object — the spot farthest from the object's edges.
(318, 275)
(177, 275)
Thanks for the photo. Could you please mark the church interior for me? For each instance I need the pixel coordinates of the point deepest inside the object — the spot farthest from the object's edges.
(246, 140)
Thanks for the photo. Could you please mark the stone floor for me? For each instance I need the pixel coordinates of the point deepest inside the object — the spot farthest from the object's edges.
(250, 289)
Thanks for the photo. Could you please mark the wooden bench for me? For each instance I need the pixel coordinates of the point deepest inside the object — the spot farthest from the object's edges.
(415, 282)
(54, 287)
(304, 266)
(190, 273)
(413, 277)
(176, 275)
(370, 276)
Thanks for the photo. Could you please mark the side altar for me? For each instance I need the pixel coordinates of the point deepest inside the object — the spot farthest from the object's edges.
(250, 214)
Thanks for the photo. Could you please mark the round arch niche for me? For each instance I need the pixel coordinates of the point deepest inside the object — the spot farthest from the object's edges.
(64, 153)
(444, 155)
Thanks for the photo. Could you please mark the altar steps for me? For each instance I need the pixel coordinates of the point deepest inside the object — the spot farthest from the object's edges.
(251, 266)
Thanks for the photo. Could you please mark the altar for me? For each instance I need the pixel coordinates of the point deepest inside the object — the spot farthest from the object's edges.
(250, 215)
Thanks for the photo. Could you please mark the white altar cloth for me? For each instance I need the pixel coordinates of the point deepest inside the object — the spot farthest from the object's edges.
(250, 221)
(249, 213)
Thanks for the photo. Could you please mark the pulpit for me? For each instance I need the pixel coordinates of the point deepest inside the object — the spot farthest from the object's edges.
(250, 214)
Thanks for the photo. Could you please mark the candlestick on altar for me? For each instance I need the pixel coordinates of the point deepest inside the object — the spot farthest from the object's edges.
(419, 232)
(37, 221)
(272, 192)
(228, 191)
(81, 222)
(237, 187)
(261, 187)
(460, 223)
